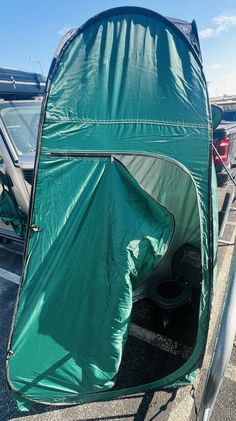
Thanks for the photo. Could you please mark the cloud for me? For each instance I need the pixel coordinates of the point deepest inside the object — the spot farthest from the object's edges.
(225, 20)
(215, 66)
(222, 23)
(61, 32)
(207, 33)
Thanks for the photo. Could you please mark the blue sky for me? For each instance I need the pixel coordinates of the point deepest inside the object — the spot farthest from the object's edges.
(33, 29)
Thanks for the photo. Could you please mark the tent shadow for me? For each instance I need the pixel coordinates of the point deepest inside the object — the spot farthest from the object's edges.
(141, 413)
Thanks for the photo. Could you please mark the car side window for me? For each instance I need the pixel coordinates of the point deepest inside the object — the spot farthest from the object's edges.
(229, 116)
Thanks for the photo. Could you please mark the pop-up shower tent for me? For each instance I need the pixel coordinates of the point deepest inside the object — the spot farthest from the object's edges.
(123, 182)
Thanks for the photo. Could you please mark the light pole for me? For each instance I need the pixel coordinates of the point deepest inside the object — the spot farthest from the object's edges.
(37, 62)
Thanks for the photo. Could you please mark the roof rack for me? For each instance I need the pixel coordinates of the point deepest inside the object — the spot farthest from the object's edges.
(17, 84)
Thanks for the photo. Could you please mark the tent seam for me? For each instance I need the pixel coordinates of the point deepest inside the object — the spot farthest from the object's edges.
(113, 122)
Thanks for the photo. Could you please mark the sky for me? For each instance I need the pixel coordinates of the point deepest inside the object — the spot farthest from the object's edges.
(31, 30)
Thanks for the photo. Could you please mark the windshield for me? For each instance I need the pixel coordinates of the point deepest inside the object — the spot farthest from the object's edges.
(22, 123)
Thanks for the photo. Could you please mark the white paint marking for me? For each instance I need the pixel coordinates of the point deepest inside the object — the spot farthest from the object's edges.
(159, 341)
(9, 276)
(231, 372)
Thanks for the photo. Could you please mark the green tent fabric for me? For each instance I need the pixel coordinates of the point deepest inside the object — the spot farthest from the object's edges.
(123, 179)
(10, 215)
(95, 277)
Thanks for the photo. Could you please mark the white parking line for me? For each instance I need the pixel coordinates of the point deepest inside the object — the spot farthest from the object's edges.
(12, 277)
(159, 341)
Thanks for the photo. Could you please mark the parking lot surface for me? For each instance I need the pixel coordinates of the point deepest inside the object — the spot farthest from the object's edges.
(169, 405)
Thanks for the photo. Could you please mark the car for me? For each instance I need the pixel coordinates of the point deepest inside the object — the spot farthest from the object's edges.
(20, 106)
(224, 139)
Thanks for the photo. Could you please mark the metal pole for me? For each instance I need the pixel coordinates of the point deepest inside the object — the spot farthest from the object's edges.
(229, 198)
(223, 347)
(222, 162)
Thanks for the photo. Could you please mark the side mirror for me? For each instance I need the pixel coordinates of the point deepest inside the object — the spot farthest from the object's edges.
(217, 115)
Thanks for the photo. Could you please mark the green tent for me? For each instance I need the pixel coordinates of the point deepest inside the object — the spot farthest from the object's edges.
(124, 179)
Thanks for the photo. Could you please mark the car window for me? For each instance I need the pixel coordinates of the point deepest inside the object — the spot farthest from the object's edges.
(22, 125)
(229, 116)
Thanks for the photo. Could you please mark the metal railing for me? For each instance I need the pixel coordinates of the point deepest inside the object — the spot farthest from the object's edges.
(223, 347)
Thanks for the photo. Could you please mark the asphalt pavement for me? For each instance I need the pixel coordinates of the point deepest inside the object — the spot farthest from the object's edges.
(163, 406)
